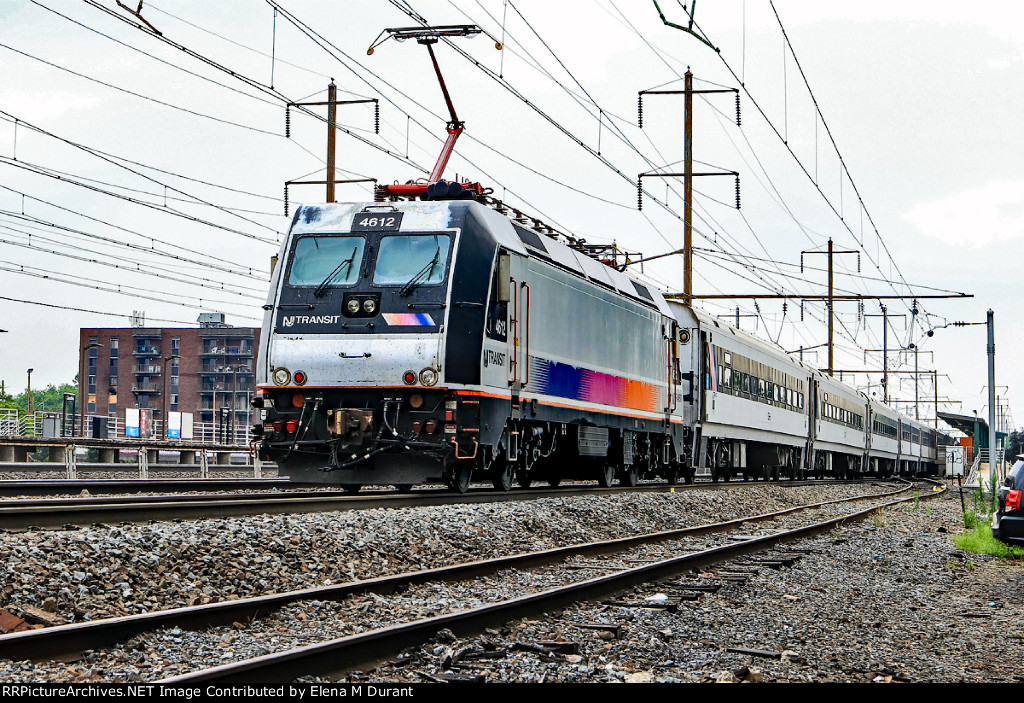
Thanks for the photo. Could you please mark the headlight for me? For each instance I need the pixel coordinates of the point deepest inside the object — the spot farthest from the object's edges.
(428, 376)
(369, 306)
(352, 305)
(282, 376)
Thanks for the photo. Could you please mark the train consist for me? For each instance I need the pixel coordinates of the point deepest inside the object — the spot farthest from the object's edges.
(432, 340)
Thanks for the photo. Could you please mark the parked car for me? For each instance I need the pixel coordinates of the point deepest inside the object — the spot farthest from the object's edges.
(1008, 522)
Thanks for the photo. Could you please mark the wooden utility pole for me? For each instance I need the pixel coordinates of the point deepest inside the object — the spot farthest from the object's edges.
(332, 109)
(688, 188)
(687, 174)
(332, 103)
(831, 297)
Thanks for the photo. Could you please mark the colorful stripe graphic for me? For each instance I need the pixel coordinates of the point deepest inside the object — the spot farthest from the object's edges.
(408, 319)
(565, 381)
(713, 369)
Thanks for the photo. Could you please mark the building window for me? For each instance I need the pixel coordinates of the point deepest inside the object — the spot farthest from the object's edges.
(114, 361)
(93, 354)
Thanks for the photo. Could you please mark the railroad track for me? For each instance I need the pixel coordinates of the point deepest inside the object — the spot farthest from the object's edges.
(28, 513)
(659, 555)
(100, 486)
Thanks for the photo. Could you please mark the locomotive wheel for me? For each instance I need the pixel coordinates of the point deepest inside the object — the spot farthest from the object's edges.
(607, 475)
(351, 488)
(672, 474)
(404, 487)
(524, 479)
(554, 481)
(631, 476)
(501, 477)
(459, 481)
(688, 474)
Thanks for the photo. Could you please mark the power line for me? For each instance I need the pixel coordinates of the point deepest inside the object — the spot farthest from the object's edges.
(25, 165)
(241, 271)
(94, 312)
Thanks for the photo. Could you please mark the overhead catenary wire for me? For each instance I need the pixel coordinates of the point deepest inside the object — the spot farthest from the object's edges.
(110, 160)
(222, 266)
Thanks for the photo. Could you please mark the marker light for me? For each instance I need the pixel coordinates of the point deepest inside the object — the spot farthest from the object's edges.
(298, 399)
(300, 377)
(409, 377)
(291, 425)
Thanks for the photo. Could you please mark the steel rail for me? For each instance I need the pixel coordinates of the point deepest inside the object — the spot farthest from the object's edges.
(56, 486)
(71, 639)
(20, 514)
(338, 656)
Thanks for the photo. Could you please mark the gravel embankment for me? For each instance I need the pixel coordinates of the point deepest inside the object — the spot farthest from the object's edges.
(99, 572)
(889, 600)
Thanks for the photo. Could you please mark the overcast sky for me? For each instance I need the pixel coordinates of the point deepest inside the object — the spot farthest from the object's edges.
(921, 98)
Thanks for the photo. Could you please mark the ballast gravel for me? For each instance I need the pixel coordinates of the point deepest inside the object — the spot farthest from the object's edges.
(835, 615)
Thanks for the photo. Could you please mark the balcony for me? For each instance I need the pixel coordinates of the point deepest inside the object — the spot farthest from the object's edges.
(146, 350)
(229, 349)
(147, 369)
(145, 388)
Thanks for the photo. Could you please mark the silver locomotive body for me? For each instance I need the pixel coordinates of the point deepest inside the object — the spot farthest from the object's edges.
(431, 341)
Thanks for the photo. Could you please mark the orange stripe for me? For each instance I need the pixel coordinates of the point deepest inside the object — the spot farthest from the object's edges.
(481, 394)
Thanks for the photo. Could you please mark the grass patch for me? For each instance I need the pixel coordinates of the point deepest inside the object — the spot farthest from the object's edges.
(980, 541)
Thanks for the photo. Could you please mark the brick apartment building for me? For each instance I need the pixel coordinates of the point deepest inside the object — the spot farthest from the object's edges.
(133, 367)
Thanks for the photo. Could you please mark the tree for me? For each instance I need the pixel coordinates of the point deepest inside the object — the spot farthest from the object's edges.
(1014, 445)
(50, 399)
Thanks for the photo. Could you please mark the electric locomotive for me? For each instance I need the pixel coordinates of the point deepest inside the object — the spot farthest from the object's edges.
(436, 340)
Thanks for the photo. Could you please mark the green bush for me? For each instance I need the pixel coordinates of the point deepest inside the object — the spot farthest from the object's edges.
(970, 519)
(980, 541)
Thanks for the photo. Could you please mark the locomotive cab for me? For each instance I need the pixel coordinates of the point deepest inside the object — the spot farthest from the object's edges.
(374, 310)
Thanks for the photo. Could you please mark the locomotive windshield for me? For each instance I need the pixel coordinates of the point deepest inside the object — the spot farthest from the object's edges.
(411, 260)
(326, 261)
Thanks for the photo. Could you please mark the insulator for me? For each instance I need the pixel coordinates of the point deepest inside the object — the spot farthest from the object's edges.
(639, 195)
(801, 311)
(784, 306)
(738, 122)
(737, 192)
(288, 123)
(640, 111)
(286, 200)
(376, 117)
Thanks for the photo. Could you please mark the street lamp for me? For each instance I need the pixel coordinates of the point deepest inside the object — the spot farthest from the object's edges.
(28, 395)
(83, 383)
(991, 348)
(166, 373)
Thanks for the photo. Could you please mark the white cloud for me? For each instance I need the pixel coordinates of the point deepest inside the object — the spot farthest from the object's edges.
(976, 218)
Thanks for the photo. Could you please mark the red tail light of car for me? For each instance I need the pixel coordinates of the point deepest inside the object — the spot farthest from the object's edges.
(1012, 501)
